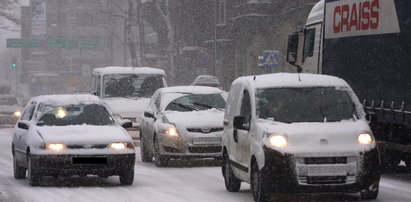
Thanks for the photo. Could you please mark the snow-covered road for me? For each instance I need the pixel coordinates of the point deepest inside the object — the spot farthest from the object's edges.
(180, 182)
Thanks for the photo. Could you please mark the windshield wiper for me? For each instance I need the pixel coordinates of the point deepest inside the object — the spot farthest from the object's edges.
(321, 108)
(184, 106)
(206, 105)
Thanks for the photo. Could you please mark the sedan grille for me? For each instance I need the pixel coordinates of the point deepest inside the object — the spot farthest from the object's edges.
(7, 113)
(97, 146)
(204, 130)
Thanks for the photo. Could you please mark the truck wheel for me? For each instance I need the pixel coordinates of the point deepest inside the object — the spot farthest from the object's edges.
(127, 177)
(19, 171)
(232, 184)
(258, 186)
(32, 174)
(159, 160)
(145, 155)
(371, 192)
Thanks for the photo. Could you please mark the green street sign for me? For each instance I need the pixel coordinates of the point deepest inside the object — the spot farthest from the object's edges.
(52, 43)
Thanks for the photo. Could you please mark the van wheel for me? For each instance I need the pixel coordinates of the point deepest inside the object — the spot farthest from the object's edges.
(159, 160)
(127, 177)
(145, 155)
(32, 174)
(19, 171)
(232, 184)
(258, 185)
(371, 192)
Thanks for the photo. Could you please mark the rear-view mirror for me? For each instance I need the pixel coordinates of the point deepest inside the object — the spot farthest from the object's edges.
(23, 125)
(292, 49)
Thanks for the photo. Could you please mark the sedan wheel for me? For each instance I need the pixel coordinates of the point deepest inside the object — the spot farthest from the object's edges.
(19, 171)
(32, 174)
(144, 153)
(127, 177)
(371, 192)
(232, 184)
(159, 160)
(258, 189)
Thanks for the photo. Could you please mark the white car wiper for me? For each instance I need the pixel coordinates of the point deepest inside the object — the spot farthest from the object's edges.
(207, 106)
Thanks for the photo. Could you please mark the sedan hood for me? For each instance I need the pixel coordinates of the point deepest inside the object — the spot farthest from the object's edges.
(306, 138)
(197, 119)
(128, 108)
(83, 134)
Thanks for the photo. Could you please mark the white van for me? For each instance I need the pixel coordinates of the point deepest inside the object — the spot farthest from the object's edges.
(298, 133)
(127, 90)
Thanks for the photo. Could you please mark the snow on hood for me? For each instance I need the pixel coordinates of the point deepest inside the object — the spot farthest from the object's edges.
(83, 134)
(306, 138)
(212, 118)
(128, 108)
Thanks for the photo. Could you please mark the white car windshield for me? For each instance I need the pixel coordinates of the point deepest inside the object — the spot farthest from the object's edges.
(196, 102)
(314, 104)
(8, 101)
(131, 85)
(90, 114)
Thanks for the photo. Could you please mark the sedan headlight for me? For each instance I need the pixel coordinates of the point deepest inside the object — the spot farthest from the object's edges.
(118, 145)
(277, 140)
(171, 132)
(365, 138)
(17, 113)
(55, 146)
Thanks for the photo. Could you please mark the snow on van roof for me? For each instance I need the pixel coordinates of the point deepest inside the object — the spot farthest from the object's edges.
(292, 80)
(191, 89)
(128, 70)
(66, 99)
(316, 14)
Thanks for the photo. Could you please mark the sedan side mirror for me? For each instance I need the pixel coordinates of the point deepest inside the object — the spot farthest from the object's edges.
(149, 114)
(23, 125)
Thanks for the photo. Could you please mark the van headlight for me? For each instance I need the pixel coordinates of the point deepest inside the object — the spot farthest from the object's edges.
(365, 138)
(171, 132)
(277, 140)
(55, 146)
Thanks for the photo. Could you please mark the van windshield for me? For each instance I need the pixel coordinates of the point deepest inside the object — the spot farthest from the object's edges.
(131, 85)
(314, 104)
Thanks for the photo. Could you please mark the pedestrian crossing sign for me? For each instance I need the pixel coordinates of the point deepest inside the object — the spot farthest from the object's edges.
(270, 58)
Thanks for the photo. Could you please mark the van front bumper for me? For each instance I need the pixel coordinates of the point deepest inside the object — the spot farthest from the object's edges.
(287, 173)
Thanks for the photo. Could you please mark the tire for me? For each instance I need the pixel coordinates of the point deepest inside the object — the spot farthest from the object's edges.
(127, 177)
(371, 192)
(144, 154)
(159, 160)
(19, 171)
(32, 174)
(258, 186)
(232, 184)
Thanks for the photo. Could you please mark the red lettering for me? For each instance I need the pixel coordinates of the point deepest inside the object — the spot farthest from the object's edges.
(337, 27)
(365, 24)
(375, 5)
(353, 18)
(359, 16)
(345, 12)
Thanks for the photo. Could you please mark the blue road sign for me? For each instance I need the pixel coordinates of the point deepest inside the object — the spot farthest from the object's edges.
(270, 58)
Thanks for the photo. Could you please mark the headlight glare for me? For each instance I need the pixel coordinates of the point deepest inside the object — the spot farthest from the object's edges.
(171, 132)
(365, 138)
(278, 141)
(17, 113)
(55, 146)
(118, 146)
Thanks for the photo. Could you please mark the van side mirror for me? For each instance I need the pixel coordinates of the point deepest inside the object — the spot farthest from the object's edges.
(23, 125)
(149, 114)
(239, 123)
(292, 48)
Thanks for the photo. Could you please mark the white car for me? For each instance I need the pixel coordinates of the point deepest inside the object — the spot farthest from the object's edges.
(10, 110)
(183, 122)
(298, 133)
(65, 135)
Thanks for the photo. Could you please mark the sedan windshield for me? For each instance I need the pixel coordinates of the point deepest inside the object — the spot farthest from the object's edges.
(131, 85)
(314, 104)
(8, 101)
(196, 102)
(90, 114)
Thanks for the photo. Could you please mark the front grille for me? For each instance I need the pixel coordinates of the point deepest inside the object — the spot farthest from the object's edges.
(89, 160)
(325, 160)
(326, 179)
(214, 149)
(97, 146)
(204, 130)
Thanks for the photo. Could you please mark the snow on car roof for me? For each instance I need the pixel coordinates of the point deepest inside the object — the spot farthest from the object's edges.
(191, 89)
(128, 70)
(292, 80)
(66, 99)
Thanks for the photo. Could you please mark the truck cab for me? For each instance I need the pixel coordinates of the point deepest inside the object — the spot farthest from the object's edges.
(127, 90)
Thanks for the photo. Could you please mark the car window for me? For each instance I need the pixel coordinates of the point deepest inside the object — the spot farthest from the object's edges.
(246, 108)
(27, 112)
(131, 85)
(196, 102)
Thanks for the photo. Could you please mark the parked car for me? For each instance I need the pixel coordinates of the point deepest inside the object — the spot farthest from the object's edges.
(298, 133)
(206, 80)
(182, 122)
(10, 109)
(65, 135)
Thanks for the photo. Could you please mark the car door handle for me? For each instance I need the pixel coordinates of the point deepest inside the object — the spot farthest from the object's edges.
(235, 136)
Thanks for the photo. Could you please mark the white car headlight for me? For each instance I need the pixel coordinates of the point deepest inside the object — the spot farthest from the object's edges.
(171, 132)
(365, 138)
(118, 145)
(55, 146)
(277, 140)
(17, 113)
